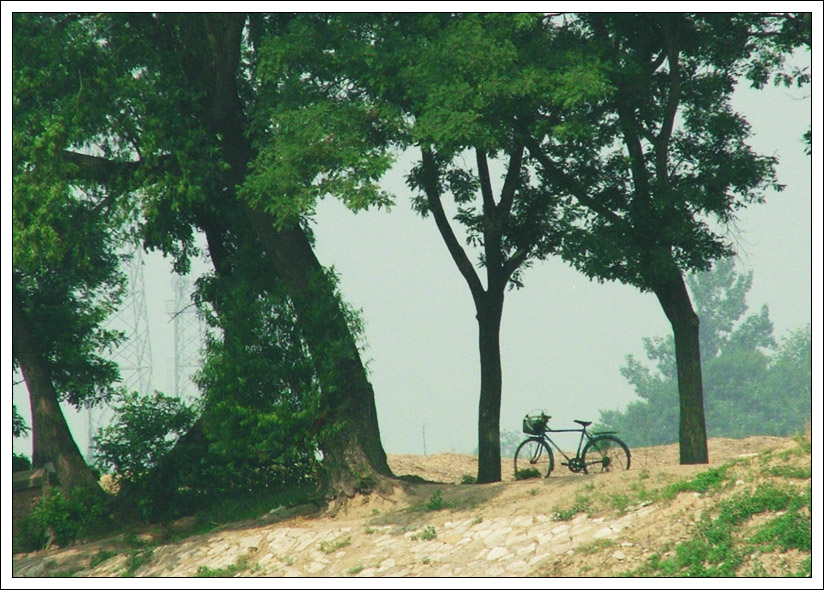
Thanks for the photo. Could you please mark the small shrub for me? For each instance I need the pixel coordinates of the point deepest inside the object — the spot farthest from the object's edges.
(582, 504)
(365, 484)
(61, 519)
(20, 463)
(435, 501)
(619, 502)
(135, 560)
(229, 571)
(356, 570)
(332, 546)
(529, 473)
(102, 555)
(469, 479)
(428, 533)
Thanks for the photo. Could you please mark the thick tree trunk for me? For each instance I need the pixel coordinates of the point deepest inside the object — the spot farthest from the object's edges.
(692, 432)
(489, 405)
(52, 440)
(353, 453)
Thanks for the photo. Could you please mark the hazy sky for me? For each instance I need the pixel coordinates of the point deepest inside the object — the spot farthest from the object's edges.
(563, 337)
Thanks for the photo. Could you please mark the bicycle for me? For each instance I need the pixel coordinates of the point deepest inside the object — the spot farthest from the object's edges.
(602, 452)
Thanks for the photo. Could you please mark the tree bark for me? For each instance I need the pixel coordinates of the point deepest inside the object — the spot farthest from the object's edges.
(692, 432)
(353, 454)
(52, 441)
(489, 405)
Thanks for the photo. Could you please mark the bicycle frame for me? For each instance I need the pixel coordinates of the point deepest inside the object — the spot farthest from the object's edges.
(585, 436)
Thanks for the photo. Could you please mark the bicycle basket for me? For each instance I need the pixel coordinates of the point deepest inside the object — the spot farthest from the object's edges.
(535, 424)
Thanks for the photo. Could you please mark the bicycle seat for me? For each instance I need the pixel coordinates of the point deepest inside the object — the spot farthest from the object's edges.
(582, 423)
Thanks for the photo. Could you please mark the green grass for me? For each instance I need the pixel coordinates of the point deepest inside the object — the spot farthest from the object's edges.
(427, 534)
(102, 555)
(712, 480)
(720, 543)
(436, 502)
(335, 545)
(136, 559)
(229, 571)
(582, 503)
(594, 546)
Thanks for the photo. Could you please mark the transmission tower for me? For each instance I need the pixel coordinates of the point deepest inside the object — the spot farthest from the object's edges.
(134, 355)
(189, 336)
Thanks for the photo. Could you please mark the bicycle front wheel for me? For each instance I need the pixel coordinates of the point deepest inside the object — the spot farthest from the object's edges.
(533, 459)
(606, 453)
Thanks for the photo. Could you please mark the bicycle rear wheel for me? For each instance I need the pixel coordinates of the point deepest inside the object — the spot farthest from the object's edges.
(533, 459)
(605, 453)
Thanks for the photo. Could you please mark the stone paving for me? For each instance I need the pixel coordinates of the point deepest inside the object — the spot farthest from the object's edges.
(441, 545)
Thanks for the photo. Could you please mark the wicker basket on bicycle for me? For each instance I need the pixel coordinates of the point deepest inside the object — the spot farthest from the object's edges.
(535, 424)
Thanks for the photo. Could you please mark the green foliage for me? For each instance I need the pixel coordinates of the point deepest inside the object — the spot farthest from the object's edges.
(65, 234)
(18, 424)
(60, 519)
(20, 463)
(262, 394)
(752, 386)
(168, 483)
(144, 430)
(469, 479)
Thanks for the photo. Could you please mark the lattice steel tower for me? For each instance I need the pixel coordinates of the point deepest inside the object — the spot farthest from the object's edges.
(134, 355)
(189, 337)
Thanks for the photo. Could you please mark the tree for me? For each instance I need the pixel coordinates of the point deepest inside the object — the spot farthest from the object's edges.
(66, 277)
(186, 135)
(453, 88)
(753, 386)
(462, 110)
(661, 160)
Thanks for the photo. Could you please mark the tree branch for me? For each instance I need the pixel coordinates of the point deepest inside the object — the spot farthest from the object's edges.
(574, 188)
(430, 175)
(673, 101)
(513, 177)
(486, 183)
(97, 169)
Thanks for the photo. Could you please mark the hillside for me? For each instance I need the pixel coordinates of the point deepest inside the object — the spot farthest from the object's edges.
(753, 502)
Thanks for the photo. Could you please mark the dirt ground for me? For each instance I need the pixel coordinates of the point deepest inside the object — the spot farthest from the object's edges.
(451, 467)
(499, 502)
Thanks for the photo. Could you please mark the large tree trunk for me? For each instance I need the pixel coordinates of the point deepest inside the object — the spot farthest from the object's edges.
(489, 405)
(52, 440)
(353, 455)
(692, 432)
